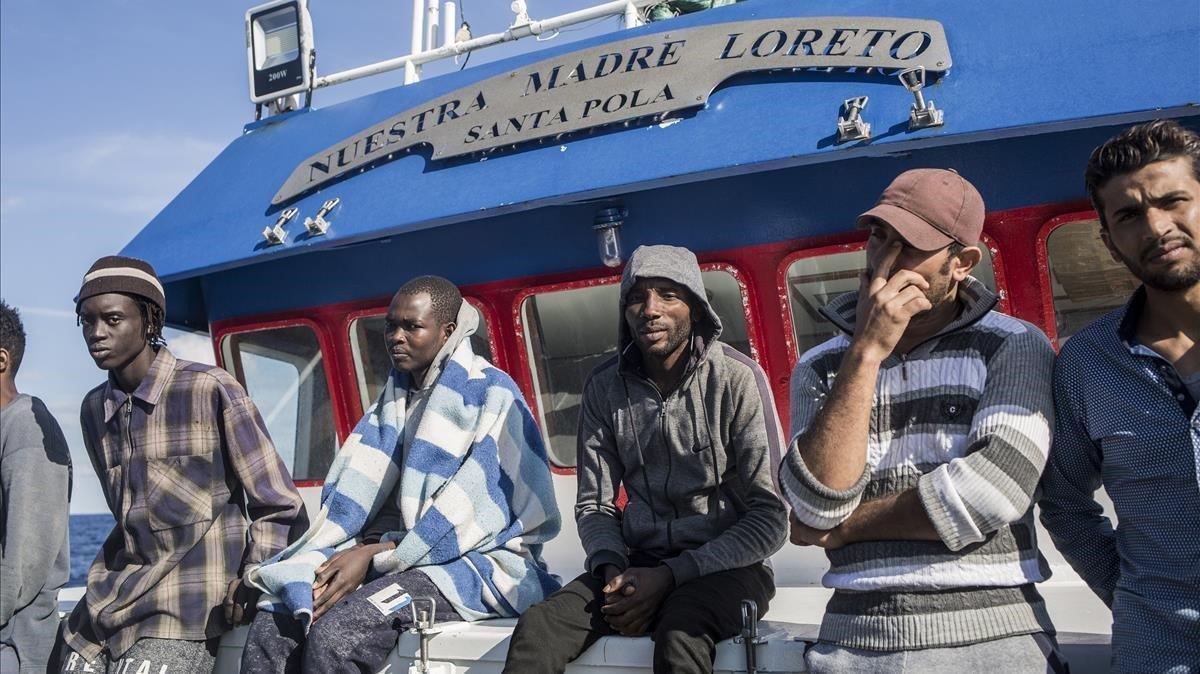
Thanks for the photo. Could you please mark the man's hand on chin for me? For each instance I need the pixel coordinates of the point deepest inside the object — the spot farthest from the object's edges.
(632, 598)
(802, 534)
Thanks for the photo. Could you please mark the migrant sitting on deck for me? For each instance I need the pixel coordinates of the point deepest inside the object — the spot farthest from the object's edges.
(35, 495)
(919, 435)
(1125, 394)
(687, 426)
(443, 490)
(183, 458)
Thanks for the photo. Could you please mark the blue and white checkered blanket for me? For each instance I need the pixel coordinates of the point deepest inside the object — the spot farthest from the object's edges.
(476, 497)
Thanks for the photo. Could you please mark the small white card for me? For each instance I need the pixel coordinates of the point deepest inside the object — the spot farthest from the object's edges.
(390, 599)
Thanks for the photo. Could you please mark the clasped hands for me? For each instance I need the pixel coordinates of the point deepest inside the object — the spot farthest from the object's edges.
(632, 597)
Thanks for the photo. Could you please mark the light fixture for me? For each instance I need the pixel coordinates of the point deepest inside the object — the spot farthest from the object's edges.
(279, 48)
(277, 234)
(922, 115)
(607, 226)
(318, 225)
(850, 125)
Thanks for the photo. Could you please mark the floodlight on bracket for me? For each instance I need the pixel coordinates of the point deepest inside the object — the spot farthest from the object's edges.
(277, 235)
(318, 225)
(279, 52)
(922, 115)
(850, 125)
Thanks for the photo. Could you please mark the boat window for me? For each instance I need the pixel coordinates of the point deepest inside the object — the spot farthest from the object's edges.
(371, 362)
(813, 281)
(1085, 281)
(283, 370)
(570, 332)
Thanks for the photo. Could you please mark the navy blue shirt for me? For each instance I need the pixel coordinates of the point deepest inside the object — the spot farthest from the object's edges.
(1125, 420)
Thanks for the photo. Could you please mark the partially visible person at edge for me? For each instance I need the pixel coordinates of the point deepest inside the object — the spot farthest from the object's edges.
(183, 459)
(1125, 393)
(919, 435)
(35, 494)
(687, 426)
(442, 491)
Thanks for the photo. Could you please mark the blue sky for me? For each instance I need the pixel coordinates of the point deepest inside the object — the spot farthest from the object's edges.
(108, 109)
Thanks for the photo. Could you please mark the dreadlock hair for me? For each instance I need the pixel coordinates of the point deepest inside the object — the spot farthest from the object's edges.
(443, 295)
(1136, 147)
(153, 319)
(12, 335)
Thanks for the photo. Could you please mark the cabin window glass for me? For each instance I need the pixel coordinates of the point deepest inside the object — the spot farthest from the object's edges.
(371, 361)
(570, 332)
(283, 371)
(813, 281)
(1085, 281)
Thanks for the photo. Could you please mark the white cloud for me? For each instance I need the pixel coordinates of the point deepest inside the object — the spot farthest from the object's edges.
(10, 203)
(193, 346)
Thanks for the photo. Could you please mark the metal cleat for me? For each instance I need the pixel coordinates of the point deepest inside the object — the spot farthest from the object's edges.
(749, 636)
(424, 610)
(850, 125)
(277, 235)
(318, 225)
(922, 115)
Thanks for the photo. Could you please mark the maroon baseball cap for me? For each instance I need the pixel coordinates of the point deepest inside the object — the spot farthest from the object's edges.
(930, 208)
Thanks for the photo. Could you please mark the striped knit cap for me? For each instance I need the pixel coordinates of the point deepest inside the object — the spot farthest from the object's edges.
(117, 274)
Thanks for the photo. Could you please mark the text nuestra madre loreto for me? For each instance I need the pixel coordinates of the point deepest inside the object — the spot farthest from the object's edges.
(650, 76)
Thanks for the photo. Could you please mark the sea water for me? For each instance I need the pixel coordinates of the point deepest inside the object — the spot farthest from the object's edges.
(87, 535)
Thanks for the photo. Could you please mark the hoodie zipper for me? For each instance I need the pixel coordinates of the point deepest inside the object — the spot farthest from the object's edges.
(662, 430)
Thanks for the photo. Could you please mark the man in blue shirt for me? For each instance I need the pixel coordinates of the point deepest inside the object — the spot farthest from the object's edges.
(1126, 389)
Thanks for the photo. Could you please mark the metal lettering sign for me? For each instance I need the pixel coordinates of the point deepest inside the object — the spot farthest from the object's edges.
(645, 76)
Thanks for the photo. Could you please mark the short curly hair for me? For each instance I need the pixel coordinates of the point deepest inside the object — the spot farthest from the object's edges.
(1136, 147)
(443, 295)
(12, 334)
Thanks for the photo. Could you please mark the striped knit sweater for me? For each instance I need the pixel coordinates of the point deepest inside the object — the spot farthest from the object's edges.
(965, 419)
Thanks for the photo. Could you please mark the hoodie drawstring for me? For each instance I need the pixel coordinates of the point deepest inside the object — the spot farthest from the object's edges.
(637, 441)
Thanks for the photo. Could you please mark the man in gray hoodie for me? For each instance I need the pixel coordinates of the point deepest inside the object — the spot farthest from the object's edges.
(35, 493)
(687, 426)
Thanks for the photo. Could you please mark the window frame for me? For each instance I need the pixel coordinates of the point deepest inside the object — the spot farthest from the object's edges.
(855, 245)
(522, 344)
(328, 353)
(1042, 254)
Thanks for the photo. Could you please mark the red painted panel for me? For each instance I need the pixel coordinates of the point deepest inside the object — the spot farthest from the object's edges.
(1015, 237)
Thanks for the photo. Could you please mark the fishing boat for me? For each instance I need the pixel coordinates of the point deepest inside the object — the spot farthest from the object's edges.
(751, 133)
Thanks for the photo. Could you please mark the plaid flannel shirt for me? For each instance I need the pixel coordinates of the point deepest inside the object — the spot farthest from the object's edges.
(182, 462)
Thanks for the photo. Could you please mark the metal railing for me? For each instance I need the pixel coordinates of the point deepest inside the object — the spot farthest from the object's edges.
(428, 13)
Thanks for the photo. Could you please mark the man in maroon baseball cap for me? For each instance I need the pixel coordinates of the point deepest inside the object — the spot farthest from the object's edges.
(925, 221)
(919, 437)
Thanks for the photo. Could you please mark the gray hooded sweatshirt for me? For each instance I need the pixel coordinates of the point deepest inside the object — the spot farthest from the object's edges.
(696, 466)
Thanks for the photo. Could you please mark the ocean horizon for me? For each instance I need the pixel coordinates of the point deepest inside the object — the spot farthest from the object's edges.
(87, 534)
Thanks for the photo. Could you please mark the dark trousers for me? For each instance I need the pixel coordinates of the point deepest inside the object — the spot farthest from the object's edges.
(691, 620)
(354, 636)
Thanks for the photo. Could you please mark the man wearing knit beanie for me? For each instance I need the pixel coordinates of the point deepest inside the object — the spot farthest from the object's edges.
(188, 472)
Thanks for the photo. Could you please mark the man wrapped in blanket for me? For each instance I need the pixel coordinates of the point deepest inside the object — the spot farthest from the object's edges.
(441, 491)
